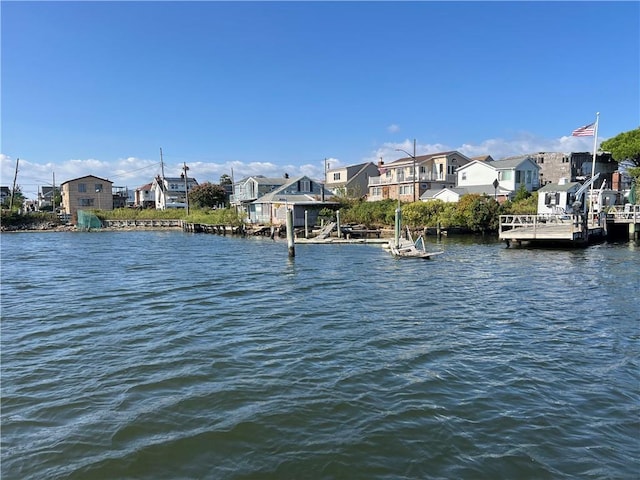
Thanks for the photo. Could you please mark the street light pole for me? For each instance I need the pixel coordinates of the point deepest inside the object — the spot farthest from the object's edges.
(414, 167)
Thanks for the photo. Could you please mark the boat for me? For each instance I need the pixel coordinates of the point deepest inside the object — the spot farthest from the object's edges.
(408, 248)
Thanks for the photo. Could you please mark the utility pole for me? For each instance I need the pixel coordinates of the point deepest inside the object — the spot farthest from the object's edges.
(53, 195)
(13, 190)
(186, 186)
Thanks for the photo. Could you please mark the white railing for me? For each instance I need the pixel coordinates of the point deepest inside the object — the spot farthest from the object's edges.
(425, 177)
(535, 222)
(627, 214)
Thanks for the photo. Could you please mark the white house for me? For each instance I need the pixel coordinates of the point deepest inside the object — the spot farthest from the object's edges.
(510, 175)
(144, 197)
(453, 194)
(556, 198)
(169, 192)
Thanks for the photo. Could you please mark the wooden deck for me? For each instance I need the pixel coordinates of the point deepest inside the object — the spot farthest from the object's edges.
(565, 229)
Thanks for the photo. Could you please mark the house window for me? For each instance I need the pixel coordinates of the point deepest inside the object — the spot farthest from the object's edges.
(376, 192)
(464, 175)
(506, 175)
(451, 170)
(406, 190)
(98, 187)
(82, 187)
(528, 177)
(336, 176)
(304, 186)
(518, 176)
(85, 202)
(541, 160)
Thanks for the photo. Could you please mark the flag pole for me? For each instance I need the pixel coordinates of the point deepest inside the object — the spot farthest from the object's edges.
(593, 166)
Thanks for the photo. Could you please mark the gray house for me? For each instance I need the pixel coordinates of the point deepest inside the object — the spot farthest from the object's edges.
(300, 194)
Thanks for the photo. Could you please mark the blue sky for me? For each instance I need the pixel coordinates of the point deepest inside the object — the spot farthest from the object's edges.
(273, 87)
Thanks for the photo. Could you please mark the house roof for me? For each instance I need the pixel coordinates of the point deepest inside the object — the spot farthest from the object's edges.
(146, 186)
(506, 164)
(86, 176)
(483, 158)
(180, 179)
(475, 189)
(422, 158)
(509, 163)
(269, 180)
(556, 187)
(297, 198)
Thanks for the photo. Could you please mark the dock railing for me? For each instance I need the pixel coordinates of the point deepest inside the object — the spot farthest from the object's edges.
(624, 214)
(535, 225)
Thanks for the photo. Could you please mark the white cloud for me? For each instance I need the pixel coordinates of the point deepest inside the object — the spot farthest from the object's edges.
(393, 128)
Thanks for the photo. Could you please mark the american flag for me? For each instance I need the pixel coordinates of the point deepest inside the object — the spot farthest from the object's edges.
(586, 131)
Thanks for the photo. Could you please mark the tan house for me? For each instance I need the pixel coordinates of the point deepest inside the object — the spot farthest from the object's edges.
(86, 193)
(408, 178)
(351, 181)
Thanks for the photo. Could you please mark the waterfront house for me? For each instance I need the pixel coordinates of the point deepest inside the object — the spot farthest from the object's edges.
(86, 193)
(301, 194)
(144, 197)
(171, 192)
(408, 178)
(557, 198)
(249, 189)
(453, 194)
(510, 174)
(351, 181)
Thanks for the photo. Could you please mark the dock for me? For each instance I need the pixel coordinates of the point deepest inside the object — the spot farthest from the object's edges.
(619, 219)
(550, 229)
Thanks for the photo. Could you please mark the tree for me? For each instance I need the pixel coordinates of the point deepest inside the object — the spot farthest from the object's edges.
(225, 179)
(522, 194)
(624, 146)
(207, 195)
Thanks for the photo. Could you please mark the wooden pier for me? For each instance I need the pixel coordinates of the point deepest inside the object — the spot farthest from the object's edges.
(620, 218)
(549, 229)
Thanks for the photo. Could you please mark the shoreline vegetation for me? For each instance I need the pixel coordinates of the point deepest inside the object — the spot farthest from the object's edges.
(472, 214)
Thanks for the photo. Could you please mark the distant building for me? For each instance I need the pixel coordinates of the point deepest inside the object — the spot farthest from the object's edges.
(171, 192)
(46, 196)
(509, 175)
(86, 193)
(351, 181)
(408, 178)
(305, 197)
(575, 166)
(5, 194)
(143, 197)
(249, 189)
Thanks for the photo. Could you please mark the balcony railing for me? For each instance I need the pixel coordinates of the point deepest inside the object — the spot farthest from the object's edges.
(423, 177)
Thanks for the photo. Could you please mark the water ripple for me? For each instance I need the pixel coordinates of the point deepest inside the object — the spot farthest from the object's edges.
(200, 356)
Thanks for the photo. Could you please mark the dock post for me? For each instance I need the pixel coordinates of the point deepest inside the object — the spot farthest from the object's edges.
(290, 242)
(338, 224)
(397, 227)
(306, 224)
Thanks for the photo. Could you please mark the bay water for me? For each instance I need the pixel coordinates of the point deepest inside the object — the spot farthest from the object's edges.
(168, 355)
